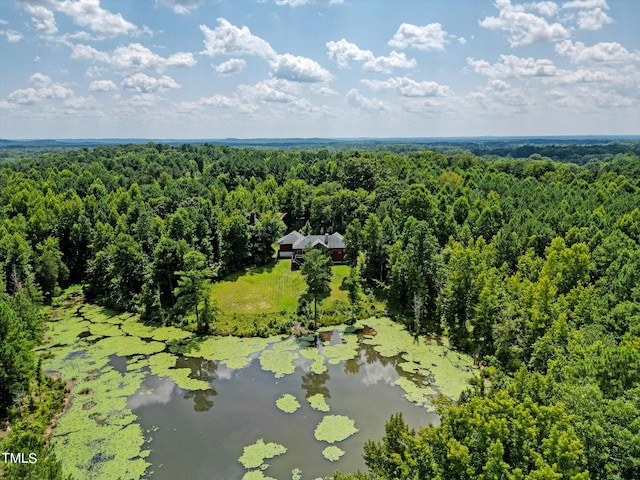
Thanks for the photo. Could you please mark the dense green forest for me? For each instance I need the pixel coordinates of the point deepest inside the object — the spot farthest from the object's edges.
(530, 265)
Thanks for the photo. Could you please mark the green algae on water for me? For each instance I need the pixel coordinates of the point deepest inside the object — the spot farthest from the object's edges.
(256, 475)
(254, 455)
(288, 403)
(125, 346)
(311, 353)
(415, 394)
(278, 362)
(233, 352)
(450, 370)
(162, 365)
(335, 428)
(341, 352)
(318, 402)
(332, 453)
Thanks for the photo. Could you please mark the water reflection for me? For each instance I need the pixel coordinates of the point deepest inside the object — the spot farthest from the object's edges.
(314, 383)
(378, 372)
(204, 370)
(155, 391)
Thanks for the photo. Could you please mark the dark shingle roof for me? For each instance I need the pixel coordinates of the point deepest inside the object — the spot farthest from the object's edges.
(292, 238)
(330, 241)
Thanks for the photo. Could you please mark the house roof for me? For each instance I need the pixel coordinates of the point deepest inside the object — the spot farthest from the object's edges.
(329, 241)
(291, 238)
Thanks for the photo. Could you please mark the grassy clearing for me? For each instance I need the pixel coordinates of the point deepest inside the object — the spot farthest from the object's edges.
(270, 289)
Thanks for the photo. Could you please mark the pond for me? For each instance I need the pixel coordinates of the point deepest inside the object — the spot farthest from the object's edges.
(230, 408)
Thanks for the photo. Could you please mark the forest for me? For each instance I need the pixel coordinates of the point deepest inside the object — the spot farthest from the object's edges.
(529, 265)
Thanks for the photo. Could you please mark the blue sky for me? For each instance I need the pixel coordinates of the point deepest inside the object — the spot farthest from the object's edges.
(318, 68)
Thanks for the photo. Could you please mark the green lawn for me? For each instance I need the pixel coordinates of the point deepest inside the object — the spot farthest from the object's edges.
(269, 289)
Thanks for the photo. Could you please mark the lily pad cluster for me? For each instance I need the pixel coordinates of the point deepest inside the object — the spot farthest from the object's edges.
(254, 455)
(335, 428)
(288, 403)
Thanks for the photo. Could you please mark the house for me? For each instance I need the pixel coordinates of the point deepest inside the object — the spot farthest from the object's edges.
(294, 244)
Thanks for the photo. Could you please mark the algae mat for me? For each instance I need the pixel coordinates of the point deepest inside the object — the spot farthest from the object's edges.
(103, 436)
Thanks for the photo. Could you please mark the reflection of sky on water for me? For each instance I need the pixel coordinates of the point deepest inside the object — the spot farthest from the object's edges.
(161, 393)
(303, 363)
(376, 372)
(224, 373)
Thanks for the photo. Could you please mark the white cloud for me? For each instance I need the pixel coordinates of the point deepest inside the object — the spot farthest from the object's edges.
(40, 79)
(322, 90)
(12, 35)
(218, 101)
(425, 38)
(297, 3)
(227, 39)
(43, 18)
(142, 83)
(409, 88)
(102, 86)
(299, 69)
(272, 90)
(372, 105)
(525, 28)
(181, 7)
(603, 52)
(548, 9)
(593, 19)
(586, 4)
(133, 57)
(342, 52)
(512, 66)
(29, 96)
(80, 103)
(387, 64)
(89, 14)
(462, 40)
(235, 65)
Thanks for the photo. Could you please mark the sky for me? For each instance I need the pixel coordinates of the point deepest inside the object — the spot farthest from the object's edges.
(197, 69)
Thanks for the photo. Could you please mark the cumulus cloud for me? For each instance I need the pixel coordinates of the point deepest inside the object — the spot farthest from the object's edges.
(43, 19)
(102, 86)
(372, 105)
(297, 3)
(181, 7)
(425, 38)
(342, 52)
(408, 87)
(40, 79)
(89, 14)
(593, 19)
(84, 13)
(218, 101)
(387, 64)
(548, 9)
(230, 67)
(586, 4)
(133, 57)
(271, 90)
(142, 83)
(524, 27)
(12, 35)
(299, 69)
(513, 66)
(46, 90)
(227, 39)
(603, 52)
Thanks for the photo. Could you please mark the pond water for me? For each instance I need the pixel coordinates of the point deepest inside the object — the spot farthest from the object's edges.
(200, 435)
(152, 402)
